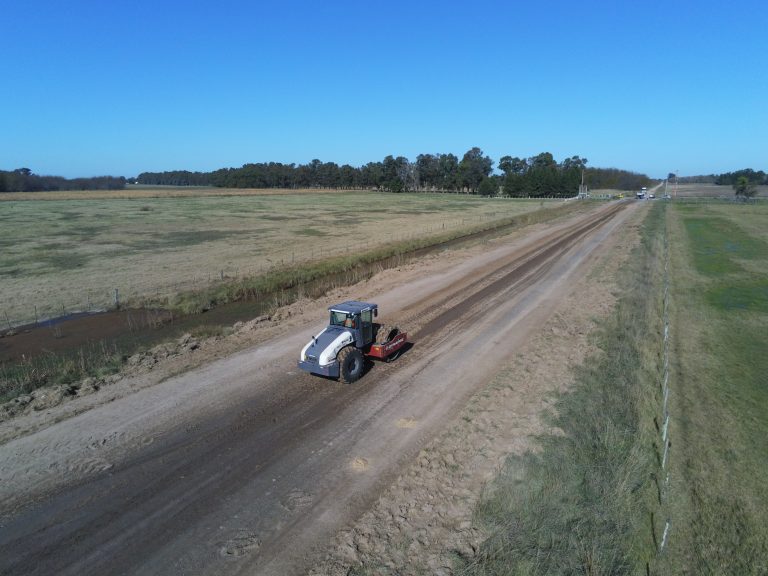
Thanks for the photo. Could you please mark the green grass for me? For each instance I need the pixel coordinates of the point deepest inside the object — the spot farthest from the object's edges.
(719, 495)
(178, 239)
(97, 359)
(746, 296)
(312, 232)
(720, 244)
(588, 501)
(59, 258)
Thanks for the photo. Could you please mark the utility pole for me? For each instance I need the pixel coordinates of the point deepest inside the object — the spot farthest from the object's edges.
(676, 179)
(582, 186)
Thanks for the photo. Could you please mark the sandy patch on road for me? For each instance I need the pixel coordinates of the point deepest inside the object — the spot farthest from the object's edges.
(423, 522)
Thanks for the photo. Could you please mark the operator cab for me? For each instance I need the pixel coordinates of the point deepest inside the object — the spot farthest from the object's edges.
(343, 319)
(357, 317)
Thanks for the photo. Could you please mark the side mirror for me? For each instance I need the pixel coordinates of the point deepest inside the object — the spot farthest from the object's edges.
(375, 312)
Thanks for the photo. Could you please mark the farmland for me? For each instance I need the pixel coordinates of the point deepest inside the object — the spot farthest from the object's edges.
(707, 191)
(719, 457)
(70, 250)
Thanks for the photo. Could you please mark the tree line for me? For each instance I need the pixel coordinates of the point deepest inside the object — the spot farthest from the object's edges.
(539, 175)
(756, 177)
(752, 177)
(23, 180)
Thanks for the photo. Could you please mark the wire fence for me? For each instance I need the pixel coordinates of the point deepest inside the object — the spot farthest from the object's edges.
(665, 408)
(719, 200)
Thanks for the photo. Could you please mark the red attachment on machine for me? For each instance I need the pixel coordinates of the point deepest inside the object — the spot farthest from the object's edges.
(388, 350)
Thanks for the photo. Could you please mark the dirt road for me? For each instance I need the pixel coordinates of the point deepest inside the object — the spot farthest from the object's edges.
(248, 466)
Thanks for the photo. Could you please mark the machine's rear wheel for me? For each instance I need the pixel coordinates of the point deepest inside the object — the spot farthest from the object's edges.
(350, 364)
(386, 333)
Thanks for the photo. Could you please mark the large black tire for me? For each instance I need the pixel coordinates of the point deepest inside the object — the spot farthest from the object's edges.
(351, 364)
(386, 333)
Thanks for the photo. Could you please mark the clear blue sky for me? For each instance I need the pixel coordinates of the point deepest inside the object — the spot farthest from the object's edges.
(120, 87)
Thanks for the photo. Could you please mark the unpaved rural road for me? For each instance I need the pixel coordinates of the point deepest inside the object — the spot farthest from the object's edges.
(247, 466)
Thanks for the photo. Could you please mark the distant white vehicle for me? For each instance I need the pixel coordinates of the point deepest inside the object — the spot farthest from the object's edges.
(651, 195)
(641, 195)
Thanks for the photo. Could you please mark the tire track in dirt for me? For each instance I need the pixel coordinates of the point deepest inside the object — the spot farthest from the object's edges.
(453, 300)
(516, 276)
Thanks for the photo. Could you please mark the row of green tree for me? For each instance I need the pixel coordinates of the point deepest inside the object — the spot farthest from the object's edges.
(756, 177)
(753, 177)
(23, 180)
(539, 175)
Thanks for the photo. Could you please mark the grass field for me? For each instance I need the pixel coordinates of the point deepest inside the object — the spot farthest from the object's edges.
(137, 191)
(69, 251)
(719, 457)
(707, 191)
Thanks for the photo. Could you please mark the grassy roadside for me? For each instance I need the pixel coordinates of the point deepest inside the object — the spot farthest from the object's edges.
(719, 458)
(589, 501)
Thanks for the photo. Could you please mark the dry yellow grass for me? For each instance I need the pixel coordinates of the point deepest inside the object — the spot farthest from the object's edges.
(138, 192)
(69, 253)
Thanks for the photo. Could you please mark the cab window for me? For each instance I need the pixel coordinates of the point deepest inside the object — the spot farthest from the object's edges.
(338, 318)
